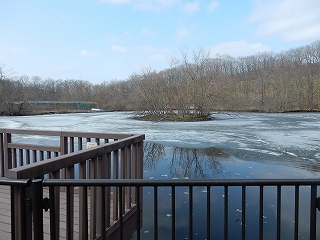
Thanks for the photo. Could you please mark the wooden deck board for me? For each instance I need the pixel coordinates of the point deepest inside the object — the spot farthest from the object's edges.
(5, 215)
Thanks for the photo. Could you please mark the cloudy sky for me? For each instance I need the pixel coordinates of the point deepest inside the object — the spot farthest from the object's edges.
(103, 40)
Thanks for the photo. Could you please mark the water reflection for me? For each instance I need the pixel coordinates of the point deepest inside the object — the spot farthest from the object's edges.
(193, 163)
(162, 161)
(152, 154)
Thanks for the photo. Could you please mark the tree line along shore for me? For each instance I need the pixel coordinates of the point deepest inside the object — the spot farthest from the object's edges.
(190, 88)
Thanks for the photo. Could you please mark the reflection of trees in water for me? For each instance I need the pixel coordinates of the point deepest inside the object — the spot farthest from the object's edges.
(196, 163)
(152, 154)
(190, 163)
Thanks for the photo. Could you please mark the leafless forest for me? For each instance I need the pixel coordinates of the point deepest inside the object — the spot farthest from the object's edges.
(193, 84)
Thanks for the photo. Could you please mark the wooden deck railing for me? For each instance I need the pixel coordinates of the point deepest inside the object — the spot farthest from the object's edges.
(116, 156)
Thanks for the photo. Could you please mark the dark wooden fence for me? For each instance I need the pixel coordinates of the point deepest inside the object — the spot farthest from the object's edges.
(75, 155)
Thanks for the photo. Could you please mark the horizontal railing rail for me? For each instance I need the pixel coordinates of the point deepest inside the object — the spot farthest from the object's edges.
(261, 184)
(52, 165)
(15, 182)
(16, 154)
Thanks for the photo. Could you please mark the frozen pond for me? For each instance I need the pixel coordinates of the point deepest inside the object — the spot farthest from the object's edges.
(233, 145)
(285, 145)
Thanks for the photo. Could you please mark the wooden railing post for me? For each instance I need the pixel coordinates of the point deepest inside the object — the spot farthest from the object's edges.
(115, 196)
(37, 208)
(55, 209)
(8, 152)
(64, 150)
(128, 176)
(93, 198)
(2, 154)
(19, 223)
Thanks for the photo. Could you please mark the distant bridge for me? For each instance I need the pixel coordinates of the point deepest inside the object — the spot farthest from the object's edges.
(52, 106)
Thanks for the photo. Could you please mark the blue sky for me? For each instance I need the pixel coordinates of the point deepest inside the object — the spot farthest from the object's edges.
(103, 40)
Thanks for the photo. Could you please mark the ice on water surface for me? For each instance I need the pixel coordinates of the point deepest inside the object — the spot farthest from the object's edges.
(292, 137)
(232, 145)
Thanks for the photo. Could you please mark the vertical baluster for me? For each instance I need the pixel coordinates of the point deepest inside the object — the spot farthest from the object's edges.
(140, 175)
(313, 213)
(134, 175)
(128, 176)
(243, 217)
(8, 155)
(140, 160)
(102, 173)
(190, 212)
(261, 213)
(70, 202)
(55, 209)
(107, 196)
(296, 213)
(122, 173)
(226, 212)
(2, 160)
(105, 209)
(115, 189)
(121, 207)
(83, 213)
(83, 199)
(138, 189)
(173, 212)
(53, 227)
(208, 213)
(155, 215)
(64, 150)
(93, 198)
(278, 212)
(69, 220)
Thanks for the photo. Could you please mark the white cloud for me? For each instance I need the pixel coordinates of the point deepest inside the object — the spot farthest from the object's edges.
(154, 5)
(156, 54)
(162, 54)
(182, 33)
(111, 38)
(213, 6)
(127, 34)
(116, 1)
(148, 33)
(18, 50)
(86, 53)
(238, 48)
(191, 7)
(147, 48)
(292, 20)
(117, 48)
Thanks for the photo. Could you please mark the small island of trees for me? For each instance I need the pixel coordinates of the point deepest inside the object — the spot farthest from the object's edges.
(189, 89)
